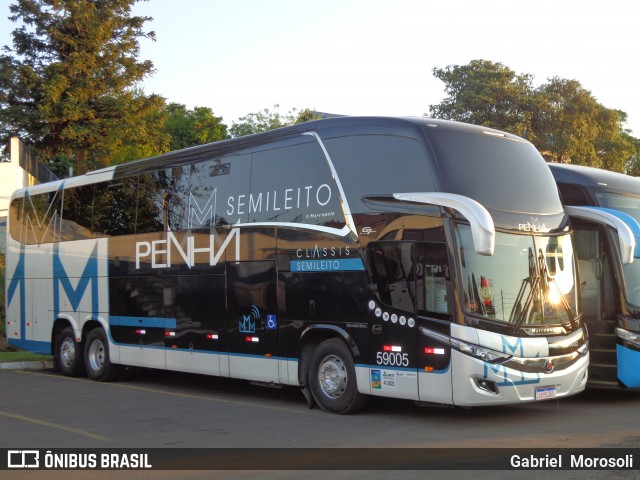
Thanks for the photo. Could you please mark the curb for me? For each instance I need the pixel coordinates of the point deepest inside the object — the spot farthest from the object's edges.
(31, 365)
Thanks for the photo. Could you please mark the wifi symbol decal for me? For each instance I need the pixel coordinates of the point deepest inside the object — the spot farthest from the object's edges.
(248, 322)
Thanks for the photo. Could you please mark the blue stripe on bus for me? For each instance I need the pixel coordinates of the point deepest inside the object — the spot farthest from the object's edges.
(628, 371)
(147, 322)
(34, 346)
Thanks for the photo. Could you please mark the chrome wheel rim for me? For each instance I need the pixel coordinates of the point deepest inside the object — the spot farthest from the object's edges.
(96, 355)
(67, 352)
(332, 376)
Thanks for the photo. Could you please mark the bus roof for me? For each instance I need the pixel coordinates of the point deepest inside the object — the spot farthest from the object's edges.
(225, 147)
(595, 178)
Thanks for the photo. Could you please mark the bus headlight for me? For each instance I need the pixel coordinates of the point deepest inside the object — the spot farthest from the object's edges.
(483, 353)
(632, 337)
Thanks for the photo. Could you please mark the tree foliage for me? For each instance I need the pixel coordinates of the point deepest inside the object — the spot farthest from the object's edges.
(188, 128)
(265, 119)
(633, 162)
(68, 85)
(486, 93)
(563, 119)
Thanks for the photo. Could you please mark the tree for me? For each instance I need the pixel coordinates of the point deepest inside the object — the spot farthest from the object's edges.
(267, 120)
(188, 128)
(68, 85)
(572, 127)
(560, 117)
(486, 93)
(632, 166)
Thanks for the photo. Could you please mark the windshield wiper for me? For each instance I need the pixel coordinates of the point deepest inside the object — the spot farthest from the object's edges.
(534, 280)
(531, 281)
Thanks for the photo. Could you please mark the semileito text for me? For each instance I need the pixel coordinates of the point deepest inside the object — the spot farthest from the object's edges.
(279, 200)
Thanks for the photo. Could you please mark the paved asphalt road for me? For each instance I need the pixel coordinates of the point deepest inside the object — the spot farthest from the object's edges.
(40, 409)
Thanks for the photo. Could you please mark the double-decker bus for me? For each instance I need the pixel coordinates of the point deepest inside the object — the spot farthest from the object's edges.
(611, 285)
(352, 257)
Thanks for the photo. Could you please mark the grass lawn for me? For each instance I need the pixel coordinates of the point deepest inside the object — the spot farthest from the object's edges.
(22, 356)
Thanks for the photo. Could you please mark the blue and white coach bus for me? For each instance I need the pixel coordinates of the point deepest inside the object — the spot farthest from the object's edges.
(611, 283)
(409, 258)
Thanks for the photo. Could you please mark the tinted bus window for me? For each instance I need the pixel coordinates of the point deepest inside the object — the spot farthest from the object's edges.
(149, 212)
(15, 219)
(114, 211)
(292, 183)
(40, 220)
(494, 171)
(176, 196)
(77, 213)
(379, 164)
(432, 278)
(392, 274)
(219, 191)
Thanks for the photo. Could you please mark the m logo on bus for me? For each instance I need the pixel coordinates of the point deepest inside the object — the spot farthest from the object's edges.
(512, 348)
(75, 295)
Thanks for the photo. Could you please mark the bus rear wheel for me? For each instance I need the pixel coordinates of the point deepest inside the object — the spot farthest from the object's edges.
(332, 378)
(68, 354)
(96, 357)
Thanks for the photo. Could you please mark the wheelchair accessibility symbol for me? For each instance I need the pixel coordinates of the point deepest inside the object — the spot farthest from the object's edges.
(272, 322)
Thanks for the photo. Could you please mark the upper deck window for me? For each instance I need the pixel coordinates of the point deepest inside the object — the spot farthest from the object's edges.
(500, 173)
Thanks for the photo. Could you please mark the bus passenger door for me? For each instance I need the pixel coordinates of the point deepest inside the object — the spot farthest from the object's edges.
(599, 290)
(393, 356)
(433, 303)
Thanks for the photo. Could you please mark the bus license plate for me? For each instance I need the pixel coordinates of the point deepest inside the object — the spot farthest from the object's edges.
(544, 393)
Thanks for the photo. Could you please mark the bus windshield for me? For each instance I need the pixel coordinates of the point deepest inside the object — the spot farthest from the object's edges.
(630, 205)
(530, 280)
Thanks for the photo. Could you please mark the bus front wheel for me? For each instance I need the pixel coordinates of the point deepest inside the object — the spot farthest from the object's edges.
(332, 378)
(68, 354)
(96, 357)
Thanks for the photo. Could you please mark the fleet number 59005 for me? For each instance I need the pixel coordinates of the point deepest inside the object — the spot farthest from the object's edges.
(392, 359)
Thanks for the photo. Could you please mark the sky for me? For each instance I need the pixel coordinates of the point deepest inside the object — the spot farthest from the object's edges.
(375, 57)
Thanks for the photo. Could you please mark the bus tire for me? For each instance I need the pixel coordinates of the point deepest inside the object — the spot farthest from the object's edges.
(332, 378)
(68, 354)
(96, 357)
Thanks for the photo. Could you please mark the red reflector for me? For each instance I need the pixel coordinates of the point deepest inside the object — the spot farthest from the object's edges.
(391, 348)
(434, 351)
(169, 334)
(212, 336)
(252, 339)
(140, 332)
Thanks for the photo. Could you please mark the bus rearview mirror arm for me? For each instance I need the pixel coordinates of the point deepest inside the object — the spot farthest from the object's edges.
(482, 228)
(614, 219)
